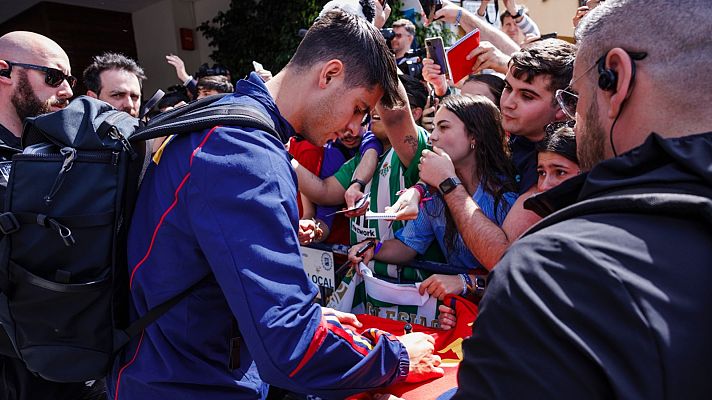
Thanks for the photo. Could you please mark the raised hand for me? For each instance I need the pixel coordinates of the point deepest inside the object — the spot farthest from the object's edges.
(179, 65)
(433, 75)
(435, 166)
(489, 57)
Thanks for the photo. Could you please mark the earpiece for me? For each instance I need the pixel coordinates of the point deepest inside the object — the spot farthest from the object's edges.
(607, 78)
(5, 72)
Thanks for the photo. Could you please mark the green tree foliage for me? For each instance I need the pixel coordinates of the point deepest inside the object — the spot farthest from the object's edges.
(259, 30)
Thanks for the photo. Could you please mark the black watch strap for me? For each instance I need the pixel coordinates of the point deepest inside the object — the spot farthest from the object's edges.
(448, 185)
(479, 286)
(361, 183)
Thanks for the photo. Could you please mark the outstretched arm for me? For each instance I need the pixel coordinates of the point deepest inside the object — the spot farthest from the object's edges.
(401, 128)
(326, 192)
(469, 22)
(179, 65)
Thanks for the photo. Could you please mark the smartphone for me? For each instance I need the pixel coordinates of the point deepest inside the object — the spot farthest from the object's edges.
(430, 7)
(436, 52)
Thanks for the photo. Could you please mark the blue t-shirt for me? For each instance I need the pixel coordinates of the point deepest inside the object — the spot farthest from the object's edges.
(430, 225)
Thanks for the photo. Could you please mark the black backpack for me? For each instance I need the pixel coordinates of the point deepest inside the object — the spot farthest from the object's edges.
(70, 196)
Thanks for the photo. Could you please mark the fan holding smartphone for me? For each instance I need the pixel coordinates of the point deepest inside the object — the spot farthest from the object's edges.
(453, 62)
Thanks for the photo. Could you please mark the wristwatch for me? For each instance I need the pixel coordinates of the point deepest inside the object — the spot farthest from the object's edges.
(479, 286)
(362, 184)
(448, 185)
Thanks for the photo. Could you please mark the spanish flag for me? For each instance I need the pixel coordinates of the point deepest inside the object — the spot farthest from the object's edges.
(448, 345)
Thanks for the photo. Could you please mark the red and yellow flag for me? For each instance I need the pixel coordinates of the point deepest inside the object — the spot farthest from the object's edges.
(448, 345)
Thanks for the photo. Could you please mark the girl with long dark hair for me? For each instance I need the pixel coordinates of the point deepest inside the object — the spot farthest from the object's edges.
(467, 131)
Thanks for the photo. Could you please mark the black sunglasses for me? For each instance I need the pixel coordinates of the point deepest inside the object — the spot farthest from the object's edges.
(53, 76)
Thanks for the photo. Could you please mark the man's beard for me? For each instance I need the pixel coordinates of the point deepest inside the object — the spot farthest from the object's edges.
(26, 102)
(590, 146)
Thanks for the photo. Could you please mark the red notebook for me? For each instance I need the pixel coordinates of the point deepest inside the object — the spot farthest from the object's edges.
(459, 66)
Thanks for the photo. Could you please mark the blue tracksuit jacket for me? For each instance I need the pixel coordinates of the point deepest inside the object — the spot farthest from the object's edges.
(223, 201)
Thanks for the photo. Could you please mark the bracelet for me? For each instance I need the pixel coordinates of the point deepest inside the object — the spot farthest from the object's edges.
(420, 188)
(468, 281)
(377, 248)
(457, 19)
(464, 285)
(361, 183)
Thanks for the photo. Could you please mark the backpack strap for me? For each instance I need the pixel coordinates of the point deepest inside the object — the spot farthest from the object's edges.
(156, 312)
(202, 115)
(7, 151)
(678, 205)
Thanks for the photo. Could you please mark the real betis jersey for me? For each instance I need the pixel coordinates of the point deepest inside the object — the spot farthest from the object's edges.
(390, 177)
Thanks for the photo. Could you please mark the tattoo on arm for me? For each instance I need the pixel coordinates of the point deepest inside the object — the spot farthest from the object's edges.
(412, 141)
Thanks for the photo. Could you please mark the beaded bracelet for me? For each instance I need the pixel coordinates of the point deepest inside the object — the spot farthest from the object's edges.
(468, 281)
(464, 285)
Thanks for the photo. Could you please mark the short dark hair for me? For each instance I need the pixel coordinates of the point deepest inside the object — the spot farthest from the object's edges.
(494, 82)
(551, 57)
(368, 62)
(405, 23)
(416, 90)
(109, 61)
(219, 83)
(562, 141)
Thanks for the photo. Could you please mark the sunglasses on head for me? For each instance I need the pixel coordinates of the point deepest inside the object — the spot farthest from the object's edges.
(53, 76)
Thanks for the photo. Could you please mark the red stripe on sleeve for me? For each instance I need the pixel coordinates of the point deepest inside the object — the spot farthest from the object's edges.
(319, 336)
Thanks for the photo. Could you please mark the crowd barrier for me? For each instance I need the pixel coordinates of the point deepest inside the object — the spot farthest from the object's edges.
(326, 274)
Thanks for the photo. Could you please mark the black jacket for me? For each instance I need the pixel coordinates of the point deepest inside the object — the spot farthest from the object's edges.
(608, 305)
(9, 145)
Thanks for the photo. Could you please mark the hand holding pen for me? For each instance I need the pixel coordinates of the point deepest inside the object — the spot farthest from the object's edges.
(360, 253)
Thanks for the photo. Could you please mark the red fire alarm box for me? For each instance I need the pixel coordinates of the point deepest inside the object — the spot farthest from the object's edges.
(186, 39)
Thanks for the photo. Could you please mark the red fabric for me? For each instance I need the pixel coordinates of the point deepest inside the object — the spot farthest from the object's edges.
(309, 156)
(340, 231)
(448, 345)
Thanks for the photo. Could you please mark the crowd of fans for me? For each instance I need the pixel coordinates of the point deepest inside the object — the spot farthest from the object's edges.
(464, 170)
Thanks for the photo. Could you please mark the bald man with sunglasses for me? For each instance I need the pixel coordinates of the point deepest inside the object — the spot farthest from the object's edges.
(35, 78)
